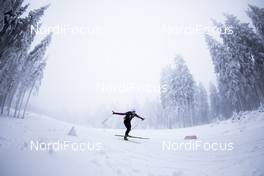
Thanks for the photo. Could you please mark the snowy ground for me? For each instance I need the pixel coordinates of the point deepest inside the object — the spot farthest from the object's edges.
(110, 155)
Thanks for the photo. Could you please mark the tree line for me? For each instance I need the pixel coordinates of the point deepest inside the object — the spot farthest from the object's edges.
(238, 59)
(21, 67)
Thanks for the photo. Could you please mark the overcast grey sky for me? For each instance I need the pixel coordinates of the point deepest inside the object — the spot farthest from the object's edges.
(127, 42)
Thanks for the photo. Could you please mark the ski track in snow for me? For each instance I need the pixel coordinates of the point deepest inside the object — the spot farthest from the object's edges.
(142, 157)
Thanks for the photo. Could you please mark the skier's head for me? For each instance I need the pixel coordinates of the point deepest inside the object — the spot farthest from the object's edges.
(133, 111)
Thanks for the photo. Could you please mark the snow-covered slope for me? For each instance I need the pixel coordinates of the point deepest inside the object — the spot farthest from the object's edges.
(106, 154)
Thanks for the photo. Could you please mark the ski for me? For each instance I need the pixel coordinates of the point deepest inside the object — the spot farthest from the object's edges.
(137, 137)
(136, 142)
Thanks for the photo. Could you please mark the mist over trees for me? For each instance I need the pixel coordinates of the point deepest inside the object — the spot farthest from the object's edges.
(21, 69)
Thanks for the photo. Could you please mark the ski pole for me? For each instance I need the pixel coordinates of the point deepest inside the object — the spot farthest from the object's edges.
(135, 125)
(105, 120)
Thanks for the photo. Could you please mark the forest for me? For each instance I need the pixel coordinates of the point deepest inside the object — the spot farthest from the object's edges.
(238, 58)
(21, 67)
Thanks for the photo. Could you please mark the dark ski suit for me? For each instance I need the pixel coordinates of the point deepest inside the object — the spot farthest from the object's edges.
(127, 120)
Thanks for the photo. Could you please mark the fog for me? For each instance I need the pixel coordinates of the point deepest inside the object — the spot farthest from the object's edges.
(124, 47)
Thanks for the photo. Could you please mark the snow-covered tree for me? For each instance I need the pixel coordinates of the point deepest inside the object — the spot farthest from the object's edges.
(257, 16)
(257, 47)
(244, 46)
(238, 60)
(215, 102)
(201, 105)
(177, 93)
(17, 64)
(226, 70)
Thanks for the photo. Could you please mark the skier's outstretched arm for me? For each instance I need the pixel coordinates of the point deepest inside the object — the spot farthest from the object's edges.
(118, 113)
(139, 117)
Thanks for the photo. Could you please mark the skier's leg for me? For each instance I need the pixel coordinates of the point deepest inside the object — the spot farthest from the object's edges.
(125, 137)
(128, 128)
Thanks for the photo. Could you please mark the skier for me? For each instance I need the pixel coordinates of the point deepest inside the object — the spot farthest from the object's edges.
(127, 120)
